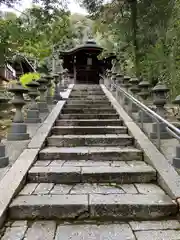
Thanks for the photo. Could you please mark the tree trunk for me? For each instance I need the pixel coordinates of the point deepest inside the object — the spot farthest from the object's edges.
(133, 5)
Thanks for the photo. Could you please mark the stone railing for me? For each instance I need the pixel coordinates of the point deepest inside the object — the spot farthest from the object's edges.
(152, 119)
(39, 97)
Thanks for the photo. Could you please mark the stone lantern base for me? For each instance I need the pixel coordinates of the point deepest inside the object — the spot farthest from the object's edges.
(18, 132)
(4, 160)
(146, 118)
(163, 132)
(43, 108)
(33, 116)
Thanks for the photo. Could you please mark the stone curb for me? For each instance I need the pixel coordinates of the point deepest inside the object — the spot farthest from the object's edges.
(15, 178)
(43, 131)
(168, 178)
(13, 181)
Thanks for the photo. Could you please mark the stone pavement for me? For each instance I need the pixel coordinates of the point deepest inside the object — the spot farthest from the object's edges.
(49, 230)
(91, 175)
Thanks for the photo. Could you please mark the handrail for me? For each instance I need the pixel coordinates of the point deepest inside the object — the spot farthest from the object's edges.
(175, 132)
(172, 127)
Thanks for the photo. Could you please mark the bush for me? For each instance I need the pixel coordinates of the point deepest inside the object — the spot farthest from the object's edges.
(29, 77)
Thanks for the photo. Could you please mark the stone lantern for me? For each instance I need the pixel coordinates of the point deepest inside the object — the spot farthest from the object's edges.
(119, 79)
(57, 95)
(4, 160)
(176, 159)
(18, 129)
(113, 82)
(134, 85)
(177, 102)
(144, 94)
(126, 85)
(65, 77)
(33, 111)
(49, 97)
(159, 100)
(134, 90)
(60, 82)
(42, 101)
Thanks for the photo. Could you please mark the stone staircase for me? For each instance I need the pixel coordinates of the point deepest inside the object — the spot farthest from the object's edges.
(90, 170)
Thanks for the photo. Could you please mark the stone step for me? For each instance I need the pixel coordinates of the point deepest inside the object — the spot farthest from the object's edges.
(104, 174)
(89, 97)
(89, 188)
(87, 105)
(90, 122)
(93, 206)
(88, 87)
(86, 93)
(62, 130)
(88, 110)
(85, 101)
(91, 153)
(89, 116)
(90, 140)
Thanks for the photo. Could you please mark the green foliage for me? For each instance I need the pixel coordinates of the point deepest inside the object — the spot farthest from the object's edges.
(152, 47)
(29, 77)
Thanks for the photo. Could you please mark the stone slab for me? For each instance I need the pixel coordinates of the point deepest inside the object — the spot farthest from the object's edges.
(127, 206)
(90, 140)
(43, 188)
(54, 174)
(61, 189)
(14, 233)
(94, 232)
(89, 130)
(155, 225)
(91, 153)
(48, 207)
(168, 178)
(158, 235)
(28, 189)
(13, 180)
(85, 110)
(86, 188)
(89, 116)
(44, 230)
(149, 188)
(39, 138)
(87, 163)
(89, 122)
(118, 174)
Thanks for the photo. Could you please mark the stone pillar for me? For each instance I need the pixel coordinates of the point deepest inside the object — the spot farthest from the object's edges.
(33, 111)
(176, 159)
(4, 160)
(143, 94)
(49, 97)
(43, 108)
(126, 86)
(113, 82)
(134, 90)
(60, 88)
(57, 97)
(177, 102)
(159, 100)
(65, 78)
(18, 129)
(119, 79)
(108, 79)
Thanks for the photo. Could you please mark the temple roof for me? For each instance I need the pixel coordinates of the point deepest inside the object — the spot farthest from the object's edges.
(89, 45)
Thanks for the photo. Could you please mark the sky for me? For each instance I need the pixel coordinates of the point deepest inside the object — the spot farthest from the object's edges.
(73, 7)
